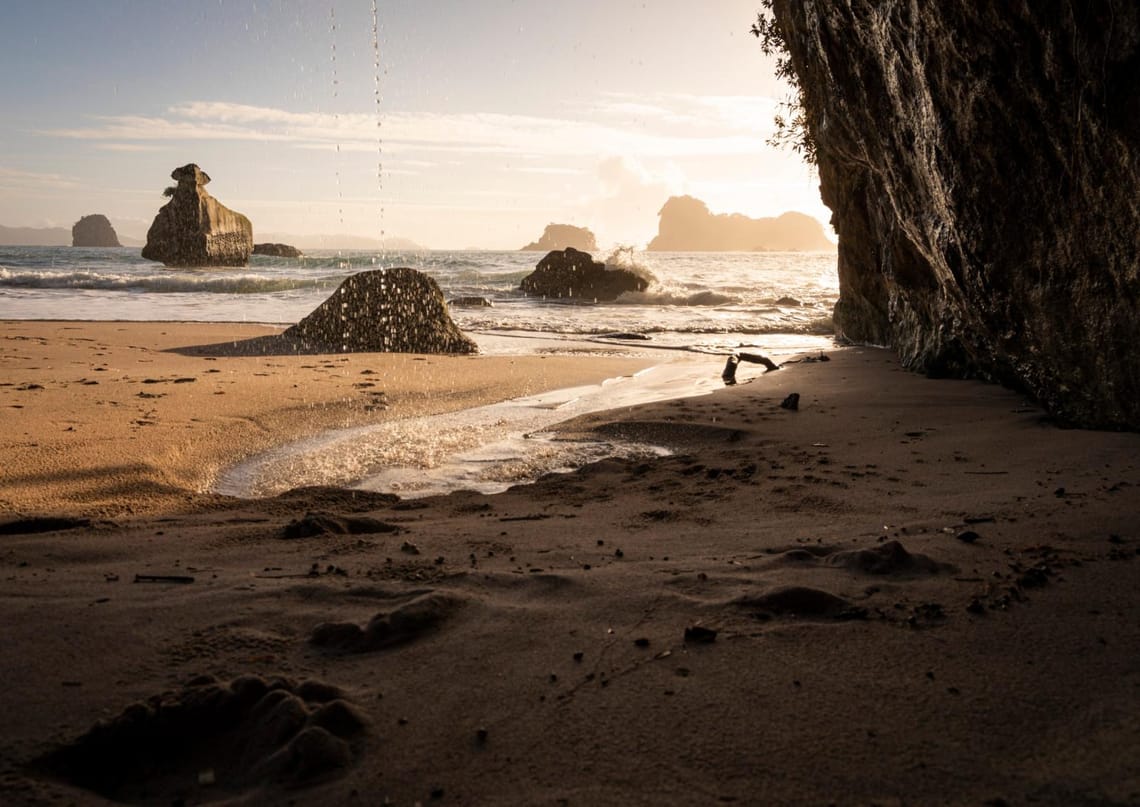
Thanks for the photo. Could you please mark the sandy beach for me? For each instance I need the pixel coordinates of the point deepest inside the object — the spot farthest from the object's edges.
(903, 591)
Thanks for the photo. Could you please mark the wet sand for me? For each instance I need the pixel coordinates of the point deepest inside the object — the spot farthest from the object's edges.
(114, 418)
(904, 591)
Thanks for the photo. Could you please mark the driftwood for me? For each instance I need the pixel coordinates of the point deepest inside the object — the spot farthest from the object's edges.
(729, 374)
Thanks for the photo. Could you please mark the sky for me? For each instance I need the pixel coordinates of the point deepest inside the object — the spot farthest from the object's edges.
(455, 123)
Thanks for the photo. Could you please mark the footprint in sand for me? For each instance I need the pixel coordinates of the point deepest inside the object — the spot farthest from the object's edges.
(408, 622)
(210, 741)
(315, 524)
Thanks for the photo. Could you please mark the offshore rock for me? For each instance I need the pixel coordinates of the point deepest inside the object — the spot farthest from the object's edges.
(561, 236)
(687, 225)
(573, 275)
(396, 310)
(195, 229)
(94, 231)
(277, 250)
(982, 163)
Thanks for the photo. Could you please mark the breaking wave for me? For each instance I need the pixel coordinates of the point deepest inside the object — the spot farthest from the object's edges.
(169, 283)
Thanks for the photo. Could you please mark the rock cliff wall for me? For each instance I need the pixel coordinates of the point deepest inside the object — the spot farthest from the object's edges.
(981, 163)
(195, 229)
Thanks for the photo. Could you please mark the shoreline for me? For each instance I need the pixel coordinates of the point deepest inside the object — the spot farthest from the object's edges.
(117, 418)
(906, 590)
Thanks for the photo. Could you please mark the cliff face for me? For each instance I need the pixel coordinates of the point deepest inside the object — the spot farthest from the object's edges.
(195, 229)
(687, 225)
(981, 163)
(94, 231)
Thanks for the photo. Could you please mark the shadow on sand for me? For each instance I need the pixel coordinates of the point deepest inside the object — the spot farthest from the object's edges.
(271, 345)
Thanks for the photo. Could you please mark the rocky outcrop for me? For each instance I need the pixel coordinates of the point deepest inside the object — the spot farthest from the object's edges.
(573, 275)
(195, 229)
(686, 225)
(94, 231)
(982, 162)
(277, 250)
(395, 310)
(563, 236)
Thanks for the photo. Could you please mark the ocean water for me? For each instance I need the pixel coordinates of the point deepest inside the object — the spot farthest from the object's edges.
(699, 307)
(697, 300)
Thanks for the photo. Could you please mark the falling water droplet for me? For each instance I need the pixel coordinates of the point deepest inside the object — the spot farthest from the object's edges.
(376, 93)
(336, 117)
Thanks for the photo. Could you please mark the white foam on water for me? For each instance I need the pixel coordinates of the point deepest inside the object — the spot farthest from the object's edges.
(488, 448)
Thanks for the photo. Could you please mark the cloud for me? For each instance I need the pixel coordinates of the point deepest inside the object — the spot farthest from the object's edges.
(15, 179)
(129, 148)
(630, 194)
(666, 126)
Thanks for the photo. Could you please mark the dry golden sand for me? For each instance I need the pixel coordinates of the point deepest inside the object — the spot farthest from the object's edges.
(111, 418)
(906, 592)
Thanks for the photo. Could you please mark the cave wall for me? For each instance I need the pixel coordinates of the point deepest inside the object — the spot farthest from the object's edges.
(981, 163)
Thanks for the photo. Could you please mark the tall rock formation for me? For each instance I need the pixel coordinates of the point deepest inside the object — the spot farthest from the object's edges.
(982, 162)
(687, 225)
(195, 229)
(563, 236)
(94, 231)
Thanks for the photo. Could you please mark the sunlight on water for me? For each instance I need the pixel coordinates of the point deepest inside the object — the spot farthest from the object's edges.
(487, 449)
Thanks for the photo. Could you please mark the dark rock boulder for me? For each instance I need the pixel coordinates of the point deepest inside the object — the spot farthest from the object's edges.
(94, 231)
(470, 302)
(195, 229)
(575, 275)
(395, 310)
(563, 236)
(277, 250)
(982, 163)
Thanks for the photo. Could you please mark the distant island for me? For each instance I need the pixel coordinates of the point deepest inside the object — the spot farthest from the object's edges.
(46, 237)
(686, 225)
(94, 230)
(563, 236)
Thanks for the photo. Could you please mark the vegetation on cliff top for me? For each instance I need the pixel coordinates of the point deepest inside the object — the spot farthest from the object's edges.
(791, 122)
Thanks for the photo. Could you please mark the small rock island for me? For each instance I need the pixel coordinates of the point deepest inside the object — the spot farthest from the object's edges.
(195, 229)
(277, 250)
(94, 231)
(563, 236)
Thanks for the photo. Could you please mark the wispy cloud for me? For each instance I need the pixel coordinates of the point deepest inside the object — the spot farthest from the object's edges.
(15, 179)
(129, 147)
(664, 126)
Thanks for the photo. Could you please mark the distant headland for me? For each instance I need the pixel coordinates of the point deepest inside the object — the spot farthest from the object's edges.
(687, 225)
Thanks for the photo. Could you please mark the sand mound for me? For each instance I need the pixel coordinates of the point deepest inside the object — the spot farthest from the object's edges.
(890, 558)
(211, 740)
(798, 601)
(406, 623)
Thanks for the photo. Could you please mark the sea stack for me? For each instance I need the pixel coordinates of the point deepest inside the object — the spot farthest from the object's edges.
(982, 164)
(195, 229)
(94, 231)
